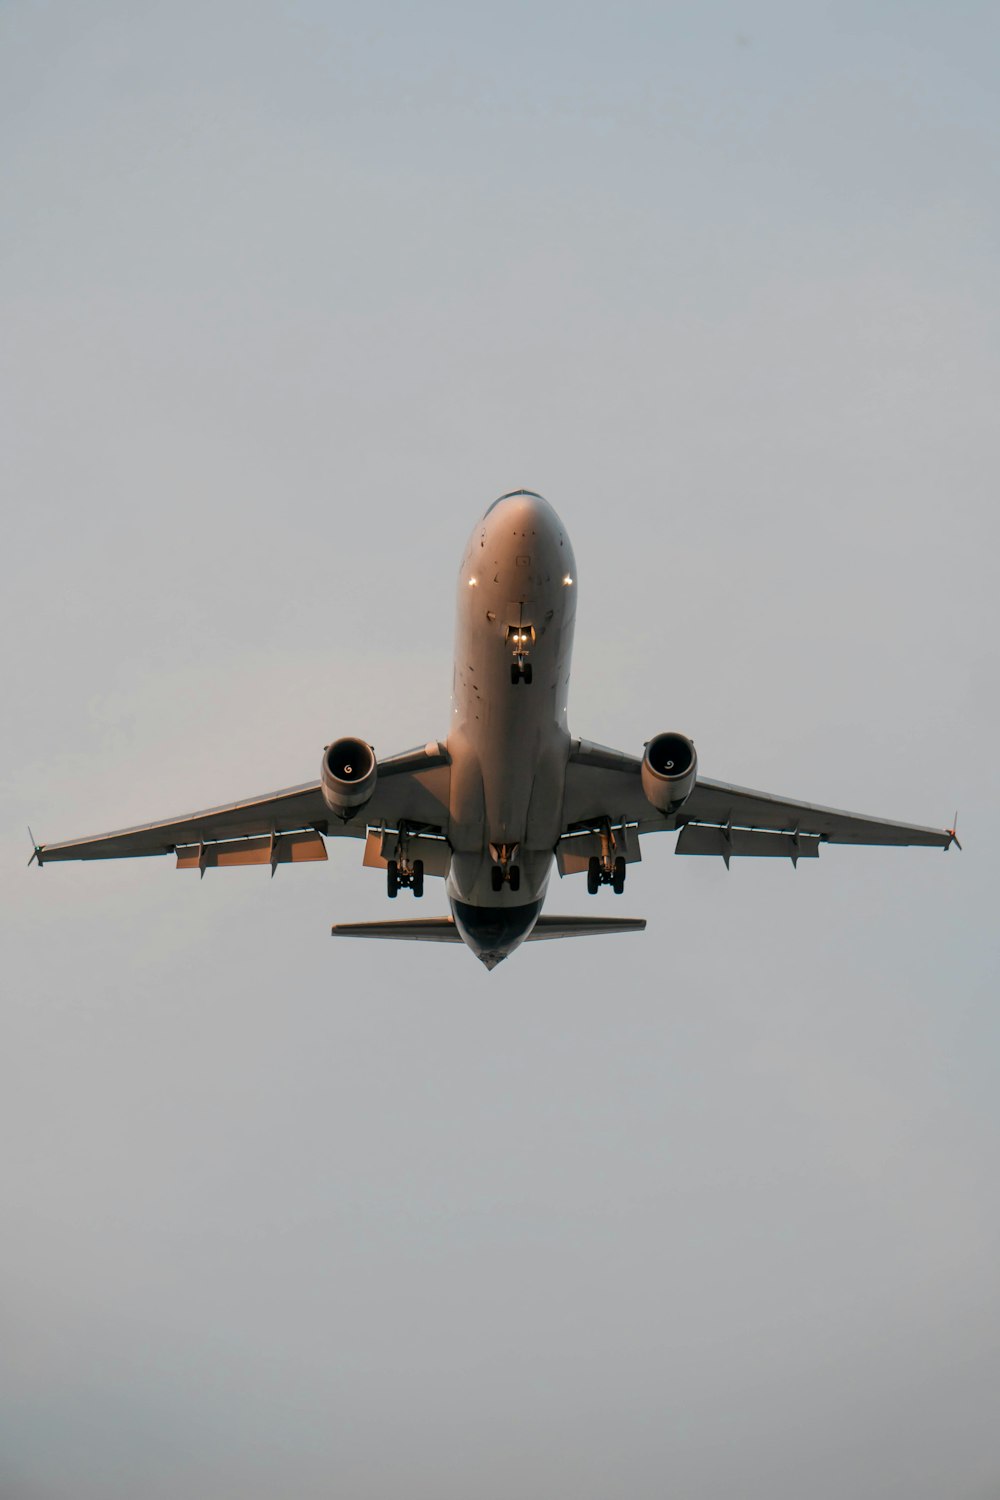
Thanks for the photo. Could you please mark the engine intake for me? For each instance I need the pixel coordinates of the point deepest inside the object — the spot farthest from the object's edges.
(669, 771)
(348, 776)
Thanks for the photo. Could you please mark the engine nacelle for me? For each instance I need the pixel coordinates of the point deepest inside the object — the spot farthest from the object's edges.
(348, 776)
(669, 771)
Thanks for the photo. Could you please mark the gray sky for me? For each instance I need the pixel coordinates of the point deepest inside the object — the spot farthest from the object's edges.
(289, 294)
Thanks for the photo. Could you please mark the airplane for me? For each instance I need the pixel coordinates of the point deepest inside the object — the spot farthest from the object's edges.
(508, 793)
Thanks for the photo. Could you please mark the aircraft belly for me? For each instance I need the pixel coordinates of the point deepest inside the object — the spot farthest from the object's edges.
(509, 742)
(508, 750)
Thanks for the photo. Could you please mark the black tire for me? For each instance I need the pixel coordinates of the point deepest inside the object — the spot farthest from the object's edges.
(496, 878)
(618, 878)
(391, 879)
(515, 877)
(526, 673)
(593, 875)
(418, 878)
(515, 674)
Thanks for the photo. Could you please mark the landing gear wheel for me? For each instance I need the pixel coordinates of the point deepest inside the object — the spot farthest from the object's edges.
(418, 878)
(496, 878)
(618, 878)
(593, 875)
(392, 879)
(526, 673)
(515, 674)
(514, 877)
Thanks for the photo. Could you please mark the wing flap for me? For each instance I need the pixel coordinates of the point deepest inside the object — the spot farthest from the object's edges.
(575, 850)
(384, 844)
(279, 849)
(740, 843)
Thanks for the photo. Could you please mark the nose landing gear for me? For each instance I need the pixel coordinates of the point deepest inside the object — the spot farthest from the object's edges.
(520, 638)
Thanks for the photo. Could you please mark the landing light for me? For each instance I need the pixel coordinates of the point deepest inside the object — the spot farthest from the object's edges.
(567, 581)
(473, 582)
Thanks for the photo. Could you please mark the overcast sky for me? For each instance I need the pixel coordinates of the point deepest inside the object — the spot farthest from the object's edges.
(289, 294)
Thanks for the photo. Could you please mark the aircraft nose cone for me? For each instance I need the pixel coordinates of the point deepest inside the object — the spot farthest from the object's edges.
(522, 508)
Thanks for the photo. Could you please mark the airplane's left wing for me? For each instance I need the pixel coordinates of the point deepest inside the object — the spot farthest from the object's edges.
(604, 788)
(717, 805)
(280, 827)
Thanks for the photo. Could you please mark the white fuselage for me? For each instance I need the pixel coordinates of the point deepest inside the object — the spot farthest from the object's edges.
(509, 741)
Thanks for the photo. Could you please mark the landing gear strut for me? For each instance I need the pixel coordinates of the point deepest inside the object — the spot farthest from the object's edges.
(608, 867)
(402, 873)
(520, 639)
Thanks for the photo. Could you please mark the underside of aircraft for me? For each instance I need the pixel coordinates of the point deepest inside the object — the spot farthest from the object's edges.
(508, 793)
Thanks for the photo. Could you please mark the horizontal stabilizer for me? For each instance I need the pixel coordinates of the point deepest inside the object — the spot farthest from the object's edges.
(560, 927)
(412, 930)
(443, 929)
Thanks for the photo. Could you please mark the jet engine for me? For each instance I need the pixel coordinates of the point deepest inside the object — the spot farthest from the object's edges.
(348, 776)
(669, 769)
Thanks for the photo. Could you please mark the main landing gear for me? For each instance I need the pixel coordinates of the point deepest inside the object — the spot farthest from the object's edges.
(608, 867)
(605, 872)
(401, 875)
